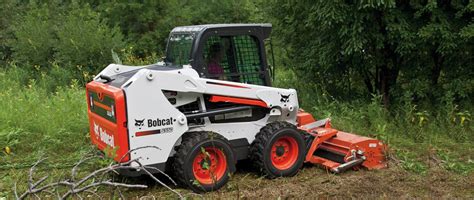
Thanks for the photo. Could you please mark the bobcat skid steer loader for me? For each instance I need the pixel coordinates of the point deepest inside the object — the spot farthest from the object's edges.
(209, 104)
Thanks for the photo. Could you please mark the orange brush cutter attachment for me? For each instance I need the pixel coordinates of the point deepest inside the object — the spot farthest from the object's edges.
(339, 151)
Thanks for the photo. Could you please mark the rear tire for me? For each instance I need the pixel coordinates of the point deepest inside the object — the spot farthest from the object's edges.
(278, 150)
(203, 161)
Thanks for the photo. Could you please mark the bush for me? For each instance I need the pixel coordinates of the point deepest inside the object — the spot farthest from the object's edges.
(35, 36)
(73, 36)
(33, 119)
(85, 40)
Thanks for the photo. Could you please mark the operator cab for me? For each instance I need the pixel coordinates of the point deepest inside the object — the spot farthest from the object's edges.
(232, 52)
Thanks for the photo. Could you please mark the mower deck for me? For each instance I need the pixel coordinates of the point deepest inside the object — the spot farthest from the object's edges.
(338, 151)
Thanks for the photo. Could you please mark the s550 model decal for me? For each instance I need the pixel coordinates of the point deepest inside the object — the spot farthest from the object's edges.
(101, 133)
(153, 132)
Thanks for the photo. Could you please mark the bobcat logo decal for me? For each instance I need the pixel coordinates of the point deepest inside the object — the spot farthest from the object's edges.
(139, 123)
(103, 135)
(285, 98)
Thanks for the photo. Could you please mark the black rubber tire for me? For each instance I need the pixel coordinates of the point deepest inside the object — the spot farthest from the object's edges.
(260, 150)
(189, 148)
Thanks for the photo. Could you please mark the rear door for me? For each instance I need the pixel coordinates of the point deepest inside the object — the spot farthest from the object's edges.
(107, 119)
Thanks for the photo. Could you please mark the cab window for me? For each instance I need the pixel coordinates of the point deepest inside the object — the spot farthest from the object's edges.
(233, 58)
(217, 54)
(179, 49)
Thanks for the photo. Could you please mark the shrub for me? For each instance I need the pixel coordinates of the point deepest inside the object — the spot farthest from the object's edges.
(35, 37)
(84, 40)
(74, 36)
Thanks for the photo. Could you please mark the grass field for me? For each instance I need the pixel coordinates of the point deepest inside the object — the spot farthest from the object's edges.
(44, 115)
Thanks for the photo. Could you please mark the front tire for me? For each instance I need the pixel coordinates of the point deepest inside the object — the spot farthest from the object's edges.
(204, 161)
(278, 150)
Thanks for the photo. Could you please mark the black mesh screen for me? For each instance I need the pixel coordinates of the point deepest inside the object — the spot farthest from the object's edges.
(238, 59)
(248, 59)
(210, 56)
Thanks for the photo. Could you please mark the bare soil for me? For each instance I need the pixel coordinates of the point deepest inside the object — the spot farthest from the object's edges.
(314, 183)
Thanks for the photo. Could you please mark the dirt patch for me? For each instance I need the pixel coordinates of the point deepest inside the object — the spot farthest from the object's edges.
(313, 182)
(394, 182)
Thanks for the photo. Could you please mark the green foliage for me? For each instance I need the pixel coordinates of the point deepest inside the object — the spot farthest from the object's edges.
(450, 161)
(81, 35)
(146, 24)
(408, 130)
(8, 10)
(386, 47)
(345, 58)
(414, 166)
(84, 39)
(34, 120)
(214, 11)
(128, 57)
(34, 36)
(72, 35)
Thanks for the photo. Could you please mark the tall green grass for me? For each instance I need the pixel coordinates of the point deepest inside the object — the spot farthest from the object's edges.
(416, 137)
(38, 121)
(44, 113)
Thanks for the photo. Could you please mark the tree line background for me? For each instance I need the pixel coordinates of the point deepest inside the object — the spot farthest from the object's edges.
(416, 53)
(400, 71)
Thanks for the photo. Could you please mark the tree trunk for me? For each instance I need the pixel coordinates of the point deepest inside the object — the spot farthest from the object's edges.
(388, 75)
(384, 85)
(367, 76)
(436, 71)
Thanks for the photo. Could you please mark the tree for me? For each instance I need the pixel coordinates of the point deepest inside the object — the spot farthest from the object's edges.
(84, 39)
(144, 24)
(69, 34)
(9, 10)
(378, 44)
(34, 35)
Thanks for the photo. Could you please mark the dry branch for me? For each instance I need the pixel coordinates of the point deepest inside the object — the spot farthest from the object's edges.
(91, 182)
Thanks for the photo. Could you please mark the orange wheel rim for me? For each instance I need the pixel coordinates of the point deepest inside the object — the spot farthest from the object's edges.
(284, 153)
(209, 166)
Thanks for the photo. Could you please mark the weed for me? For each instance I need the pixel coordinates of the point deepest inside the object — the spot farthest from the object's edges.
(453, 163)
(410, 161)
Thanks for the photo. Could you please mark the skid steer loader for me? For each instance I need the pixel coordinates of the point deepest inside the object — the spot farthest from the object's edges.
(209, 104)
